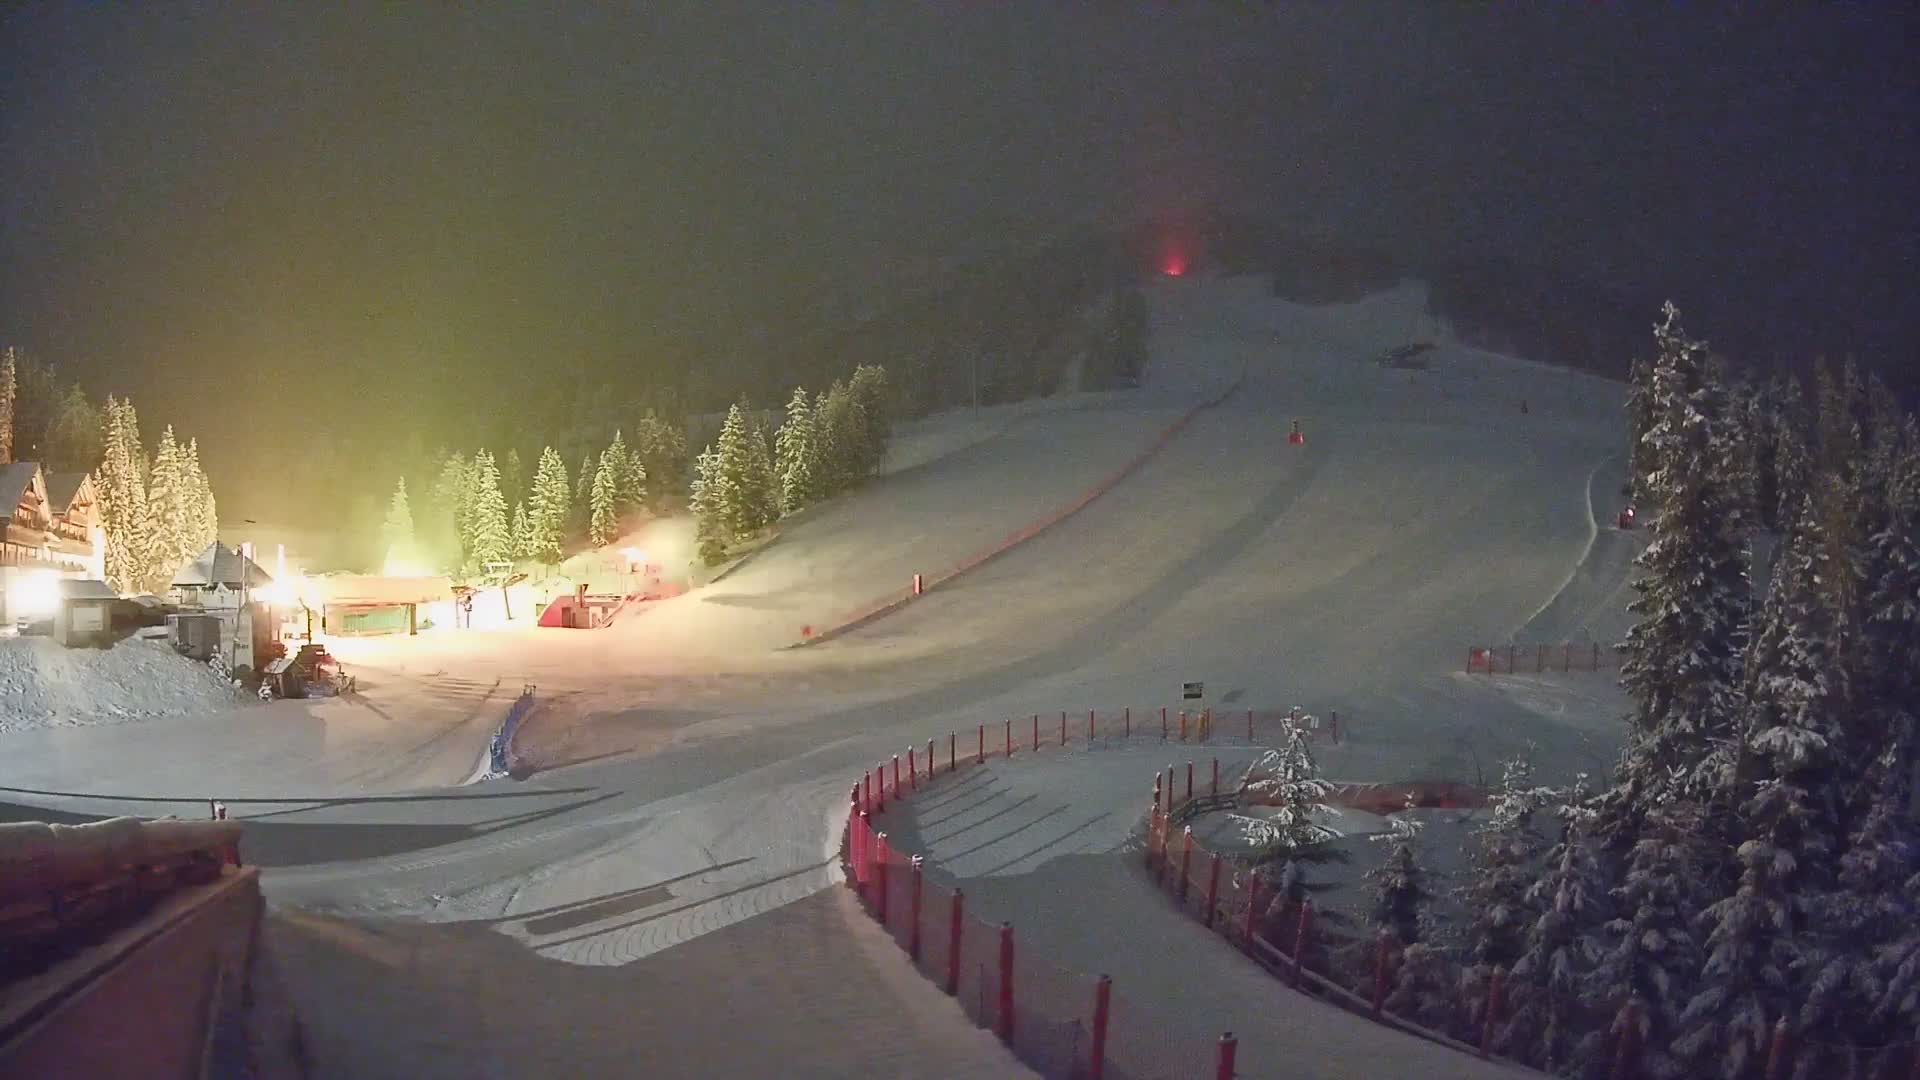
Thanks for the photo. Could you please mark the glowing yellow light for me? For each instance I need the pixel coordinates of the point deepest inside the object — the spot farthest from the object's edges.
(36, 594)
(279, 594)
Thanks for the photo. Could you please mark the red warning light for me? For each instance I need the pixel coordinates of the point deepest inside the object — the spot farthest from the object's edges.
(1174, 266)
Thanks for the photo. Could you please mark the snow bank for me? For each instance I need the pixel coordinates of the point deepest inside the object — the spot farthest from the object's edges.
(43, 684)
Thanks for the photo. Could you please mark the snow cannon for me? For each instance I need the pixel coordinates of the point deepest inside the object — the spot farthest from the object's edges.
(1626, 517)
(1294, 437)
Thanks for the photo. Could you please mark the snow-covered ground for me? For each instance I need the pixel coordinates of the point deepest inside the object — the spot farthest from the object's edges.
(1425, 513)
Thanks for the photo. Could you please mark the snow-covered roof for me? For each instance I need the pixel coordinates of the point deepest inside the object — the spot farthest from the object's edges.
(14, 481)
(62, 488)
(349, 589)
(86, 589)
(221, 565)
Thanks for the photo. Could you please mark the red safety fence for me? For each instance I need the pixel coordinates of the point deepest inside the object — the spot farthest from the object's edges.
(1060, 1022)
(1541, 659)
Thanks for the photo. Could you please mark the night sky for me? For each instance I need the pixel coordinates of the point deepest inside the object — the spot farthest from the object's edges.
(270, 220)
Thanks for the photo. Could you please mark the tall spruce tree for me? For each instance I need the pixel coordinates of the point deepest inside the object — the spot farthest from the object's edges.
(604, 500)
(763, 480)
(661, 450)
(1548, 1025)
(172, 495)
(522, 532)
(206, 511)
(123, 500)
(9, 398)
(1500, 911)
(552, 505)
(1640, 416)
(1726, 1026)
(490, 535)
(1651, 955)
(1683, 662)
(709, 508)
(795, 453)
(396, 533)
(1398, 885)
(581, 517)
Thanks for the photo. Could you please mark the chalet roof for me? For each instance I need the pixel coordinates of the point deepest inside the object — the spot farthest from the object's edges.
(86, 589)
(221, 565)
(61, 489)
(14, 481)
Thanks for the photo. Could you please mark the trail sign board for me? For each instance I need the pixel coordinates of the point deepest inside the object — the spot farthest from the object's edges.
(1192, 691)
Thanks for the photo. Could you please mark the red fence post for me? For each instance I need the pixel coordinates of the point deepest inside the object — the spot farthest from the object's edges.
(880, 877)
(1223, 1058)
(1169, 788)
(913, 771)
(1216, 776)
(953, 744)
(1090, 713)
(1496, 990)
(1063, 727)
(1163, 723)
(1006, 981)
(953, 941)
(1213, 888)
(1777, 1053)
(1300, 938)
(913, 939)
(1253, 907)
(1009, 736)
(1186, 860)
(1097, 1054)
(1189, 781)
(919, 585)
(1183, 725)
(1383, 945)
(1156, 791)
(1126, 718)
(1036, 731)
(896, 776)
(880, 787)
(867, 779)
(866, 857)
(980, 755)
(930, 768)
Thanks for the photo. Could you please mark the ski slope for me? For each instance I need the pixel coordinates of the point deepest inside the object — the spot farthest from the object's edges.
(696, 766)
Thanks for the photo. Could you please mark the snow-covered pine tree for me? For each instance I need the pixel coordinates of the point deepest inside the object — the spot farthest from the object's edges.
(1890, 694)
(1288, 780)
(513, 478)
(1683, 662)
(1640, 417)
(123, 500)
(794, 452)
(763, 499)
(1726, 1026)
(522, 531)
(490, 535)
(1502, 869)
(868, 392)
(627, 476)
(1399, 889)
(206, 511)
(551, 506)
(171, 512)
(836, 430)
(1796, 695)
(1426, 989)
(662, 451)
(733, 490)
(396, 533)
(1552, 1023)
(709, 508)
(1646, 971)
(604, 500)
(582, 506)
(9, 396)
